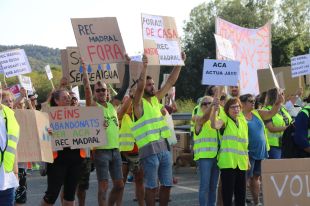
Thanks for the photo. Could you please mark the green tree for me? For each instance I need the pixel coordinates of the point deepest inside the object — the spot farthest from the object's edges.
(199, 42)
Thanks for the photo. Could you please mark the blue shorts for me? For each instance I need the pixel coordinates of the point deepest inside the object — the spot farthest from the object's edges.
(7, 197)
(157, 166)
(256, 168)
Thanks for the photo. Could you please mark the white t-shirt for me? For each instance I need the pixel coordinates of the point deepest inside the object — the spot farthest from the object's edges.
(7, 180)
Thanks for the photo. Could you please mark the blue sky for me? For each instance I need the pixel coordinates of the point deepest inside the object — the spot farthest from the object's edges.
(47, 22)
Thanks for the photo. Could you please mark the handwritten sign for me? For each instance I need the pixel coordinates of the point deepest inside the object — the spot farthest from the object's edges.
(48, 72)
(286, 181)
(252, 48)
(15, 90)
(76, 127)
(14, 62)
(99, 40)
(135, 69)
(161, 40)
(220, 72)
(72, 69)
(34, 143)
(300, 65)
(224, 47)
(25, 82)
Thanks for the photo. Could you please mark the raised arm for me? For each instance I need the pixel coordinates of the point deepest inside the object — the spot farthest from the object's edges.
(117, 99)
(171, 80)
(137, 101)
(199, 121)
(87, 88)
(216, 124)
(268, 114)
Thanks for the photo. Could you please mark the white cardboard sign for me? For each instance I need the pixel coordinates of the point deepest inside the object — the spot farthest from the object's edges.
(224, 47)
(300, 65)
(49, 72)
(25, 82)
(14, 62)
(220, 72)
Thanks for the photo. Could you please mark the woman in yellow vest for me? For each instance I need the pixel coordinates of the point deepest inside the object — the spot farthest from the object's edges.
(233, 158)
(276, 125)
(205, 151)
(65, 170)
(9, 134)
(258, 143)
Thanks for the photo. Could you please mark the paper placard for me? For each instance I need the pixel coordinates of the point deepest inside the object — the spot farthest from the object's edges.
(76, 92)
(14, 62)
(224, 47)
(76, 127)
(252, 48)
(25, 82)
(161, 40)
(73, 70)
(99, 40)
(286, 181)
(15, 90)
(300, 65)
(48, 72)
(34, 144)
(220, 72)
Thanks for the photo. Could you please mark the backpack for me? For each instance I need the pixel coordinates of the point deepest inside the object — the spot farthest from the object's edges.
(289, 148)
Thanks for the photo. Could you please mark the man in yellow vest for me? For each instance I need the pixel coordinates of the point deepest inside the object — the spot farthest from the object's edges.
(107, 158)
(9, 134)
(150, 131)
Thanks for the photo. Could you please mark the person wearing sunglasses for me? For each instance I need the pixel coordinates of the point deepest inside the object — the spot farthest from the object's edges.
(205, 152)
(258, 145)
(107, 158)
(277, 124)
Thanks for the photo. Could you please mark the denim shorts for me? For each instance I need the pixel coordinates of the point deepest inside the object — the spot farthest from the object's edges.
(256, 168)
(157, 166)
(108, 160)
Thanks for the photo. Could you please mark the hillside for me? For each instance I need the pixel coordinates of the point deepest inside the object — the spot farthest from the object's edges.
(38, 56)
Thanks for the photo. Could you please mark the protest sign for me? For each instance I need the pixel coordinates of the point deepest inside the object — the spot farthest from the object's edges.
(224, 47)
(73, 70)
(99, 40)
(25, 82)
(160, 40)
(34, 144)
(135, 69)
(284, 77)
(286, 182)
(252, 48)
(76, 92)
(300, 65)
(220, 72)
(48, 72)
(15, 90)
(76, 127)
(14, 62)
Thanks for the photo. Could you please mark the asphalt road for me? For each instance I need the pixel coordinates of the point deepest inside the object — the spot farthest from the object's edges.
(184, 193)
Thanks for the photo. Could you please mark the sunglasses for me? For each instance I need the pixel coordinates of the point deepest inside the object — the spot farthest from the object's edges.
(101, 90)
(205, 103)
(252, 101)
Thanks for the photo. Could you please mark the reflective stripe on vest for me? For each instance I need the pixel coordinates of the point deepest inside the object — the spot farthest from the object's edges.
(151, 126)
(277, 121)
(233, 151)
(13, 136)
(206, 142)
(126, 139)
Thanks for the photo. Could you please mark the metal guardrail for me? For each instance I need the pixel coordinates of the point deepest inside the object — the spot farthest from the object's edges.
(182, 116)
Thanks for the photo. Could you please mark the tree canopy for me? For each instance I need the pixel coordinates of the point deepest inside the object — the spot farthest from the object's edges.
(290, 34)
